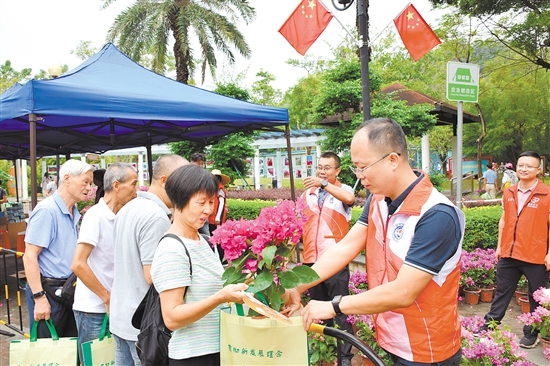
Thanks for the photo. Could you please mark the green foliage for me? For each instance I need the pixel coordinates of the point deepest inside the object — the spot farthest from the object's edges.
(230, 154)
(84, 50)
(238, 209)
(232, 90)
(238, 144)
(10, 76)
(262, 90)
(438, 181)
(516, 107)
(186, 148)
(299, 100)
(481, 227)
(522, 26)
(322, 348)
(146, 26)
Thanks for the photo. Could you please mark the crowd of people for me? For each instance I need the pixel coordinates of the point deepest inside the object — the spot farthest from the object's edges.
(412, 235)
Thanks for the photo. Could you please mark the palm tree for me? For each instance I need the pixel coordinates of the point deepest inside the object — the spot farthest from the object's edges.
(144, 28)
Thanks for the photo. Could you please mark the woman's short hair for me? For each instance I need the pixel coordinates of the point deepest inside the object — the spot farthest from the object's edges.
(188, 180)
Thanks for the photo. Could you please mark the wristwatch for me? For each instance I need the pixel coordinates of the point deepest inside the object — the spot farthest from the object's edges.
(336, 305)
(324, 183)
(36, 295)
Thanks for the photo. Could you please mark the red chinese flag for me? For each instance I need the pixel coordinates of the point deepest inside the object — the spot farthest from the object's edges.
(305, 25)
(418, 37)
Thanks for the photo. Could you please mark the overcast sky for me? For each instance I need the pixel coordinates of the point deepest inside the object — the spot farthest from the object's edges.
(38, 33)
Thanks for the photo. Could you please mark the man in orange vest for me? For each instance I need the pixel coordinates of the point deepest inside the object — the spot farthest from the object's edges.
(412, 235)
(329, 209)
(523, 240)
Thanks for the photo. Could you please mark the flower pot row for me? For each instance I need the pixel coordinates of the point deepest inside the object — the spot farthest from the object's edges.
(473, 296)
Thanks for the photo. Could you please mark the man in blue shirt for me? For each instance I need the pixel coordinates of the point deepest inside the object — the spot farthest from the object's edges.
(50, 244)
(490, 177)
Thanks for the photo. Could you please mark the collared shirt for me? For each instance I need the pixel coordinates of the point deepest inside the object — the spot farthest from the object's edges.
(52, 228)
(394, 205)
(524, 195)
(490, 176)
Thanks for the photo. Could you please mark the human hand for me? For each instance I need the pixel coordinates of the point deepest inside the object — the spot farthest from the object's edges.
(497, 253)
(108, 305)
(312, 182)
(233, 293)
(292, 302)
(547, 261)
(317, 310)
(42, 308)
(217, 222)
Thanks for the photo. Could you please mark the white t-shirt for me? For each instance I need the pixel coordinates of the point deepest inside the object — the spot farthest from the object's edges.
(139, 226)
(97, 229)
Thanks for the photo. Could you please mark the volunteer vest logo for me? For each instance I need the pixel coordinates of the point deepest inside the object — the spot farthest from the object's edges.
(398, 232)
(534, 202)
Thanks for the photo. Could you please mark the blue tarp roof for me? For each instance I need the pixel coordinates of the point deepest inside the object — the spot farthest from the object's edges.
(111, 102)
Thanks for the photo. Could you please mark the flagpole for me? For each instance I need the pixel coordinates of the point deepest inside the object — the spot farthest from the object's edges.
(364, 56)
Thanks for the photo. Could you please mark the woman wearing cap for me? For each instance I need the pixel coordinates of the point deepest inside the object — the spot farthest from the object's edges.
(510, 177)
(219, 212)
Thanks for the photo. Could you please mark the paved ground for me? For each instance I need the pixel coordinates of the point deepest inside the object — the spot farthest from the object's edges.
(535, 355)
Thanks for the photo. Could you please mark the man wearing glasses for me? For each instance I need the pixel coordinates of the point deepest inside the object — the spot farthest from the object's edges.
(412, 235)
(329, 209)
(523, 232)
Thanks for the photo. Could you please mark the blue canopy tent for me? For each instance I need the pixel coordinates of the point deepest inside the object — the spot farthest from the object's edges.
(111, 102)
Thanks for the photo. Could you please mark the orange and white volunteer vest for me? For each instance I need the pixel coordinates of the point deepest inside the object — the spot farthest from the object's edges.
(429, 330)
(326, 225)
(525, 236)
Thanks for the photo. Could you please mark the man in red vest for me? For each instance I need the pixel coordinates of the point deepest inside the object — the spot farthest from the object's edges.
(329, 209)
(412, 236)
(523, 239)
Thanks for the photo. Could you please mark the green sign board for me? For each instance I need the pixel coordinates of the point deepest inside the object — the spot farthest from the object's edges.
(462, 82)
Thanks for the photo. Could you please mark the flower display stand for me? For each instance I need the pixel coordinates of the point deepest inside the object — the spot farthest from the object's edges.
(471, 297)
(525, 306)
(487, 294)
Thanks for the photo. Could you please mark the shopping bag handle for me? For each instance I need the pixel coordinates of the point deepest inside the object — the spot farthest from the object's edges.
(104, 329)
(51, 327)
(240, 309)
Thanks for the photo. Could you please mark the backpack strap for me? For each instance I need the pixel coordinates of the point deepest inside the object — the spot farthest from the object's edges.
(140, 310)
(174, 236)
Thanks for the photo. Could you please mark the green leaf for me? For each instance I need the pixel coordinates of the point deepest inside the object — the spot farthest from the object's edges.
(283, 251)
(305, 274)
(233, 275)
(289, 279)
(263, 281)
(267, 255)
(274, 295)
(238, 263)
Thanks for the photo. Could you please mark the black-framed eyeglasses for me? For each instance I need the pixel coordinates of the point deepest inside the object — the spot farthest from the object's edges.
(361, 171)
(326, 168)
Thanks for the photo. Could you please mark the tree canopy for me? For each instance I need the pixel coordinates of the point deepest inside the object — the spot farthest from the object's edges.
(145, 28)
(522, 26)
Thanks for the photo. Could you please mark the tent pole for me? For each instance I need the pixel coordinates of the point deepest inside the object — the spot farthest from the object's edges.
(149, 160)
(32, 137)
(290, 168)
